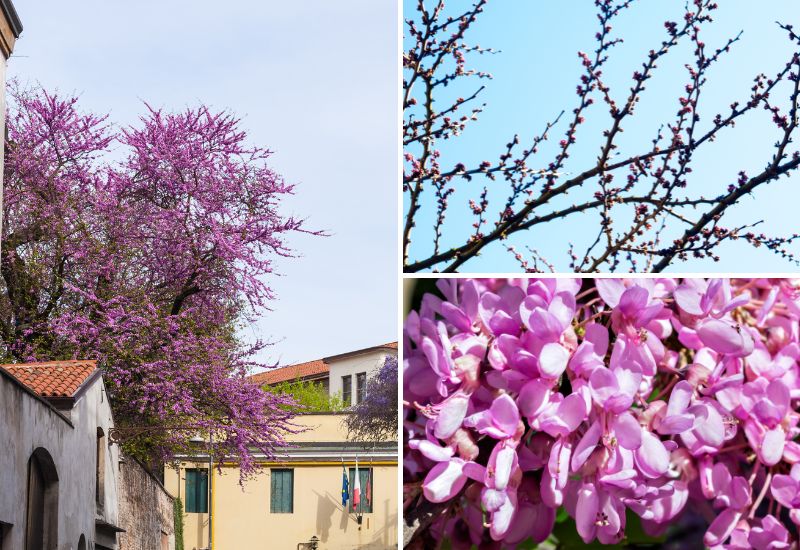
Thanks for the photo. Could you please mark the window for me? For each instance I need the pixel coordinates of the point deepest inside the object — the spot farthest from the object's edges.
(365, 476)
(196, 491)
(281, 498)
(361, 386)
(100, 470)
(347, 390)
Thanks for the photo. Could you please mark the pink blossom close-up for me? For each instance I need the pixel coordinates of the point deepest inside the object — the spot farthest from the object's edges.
(536, 407)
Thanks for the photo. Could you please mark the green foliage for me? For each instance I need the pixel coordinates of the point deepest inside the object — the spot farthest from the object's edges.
(310, 396)
(178, 513)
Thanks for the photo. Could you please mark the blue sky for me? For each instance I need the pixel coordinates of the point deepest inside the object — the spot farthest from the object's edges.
(315, 81)
(535, 76)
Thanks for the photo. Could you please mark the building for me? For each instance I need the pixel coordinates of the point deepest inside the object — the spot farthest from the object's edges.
(57, 474)
(65, 484)
(344, 374)
(299, 495)
(10, 29)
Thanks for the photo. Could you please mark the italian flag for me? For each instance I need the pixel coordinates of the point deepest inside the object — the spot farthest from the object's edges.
(356, 488)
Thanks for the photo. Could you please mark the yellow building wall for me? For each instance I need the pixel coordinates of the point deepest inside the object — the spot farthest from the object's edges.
(242, 518)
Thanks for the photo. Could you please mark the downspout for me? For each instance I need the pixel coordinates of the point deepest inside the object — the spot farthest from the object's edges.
(210, 488)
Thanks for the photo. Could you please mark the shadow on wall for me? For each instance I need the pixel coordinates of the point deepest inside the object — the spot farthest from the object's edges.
(326, 506)
(383, 538)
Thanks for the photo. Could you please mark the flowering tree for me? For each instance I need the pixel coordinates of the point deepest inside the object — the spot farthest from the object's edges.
(671, 402)
(375, 418)
(147, 263)
(650, 214)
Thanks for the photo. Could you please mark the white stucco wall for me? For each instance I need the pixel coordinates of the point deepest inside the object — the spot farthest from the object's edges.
(28, 424)
(368, 362)
(2, 126)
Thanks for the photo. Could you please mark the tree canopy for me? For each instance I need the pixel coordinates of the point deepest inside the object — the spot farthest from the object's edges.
(146, 248)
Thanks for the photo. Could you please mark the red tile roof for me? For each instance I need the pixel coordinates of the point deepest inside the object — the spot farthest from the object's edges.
(304, 370)
(283, 374)
(53, 378)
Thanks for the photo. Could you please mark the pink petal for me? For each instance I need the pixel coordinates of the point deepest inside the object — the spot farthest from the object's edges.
(431, 450)
(740, 492)
(553, 360)
(772, 446)
(722, 527)
(586, 512)
(688, 297)
(545, 325)
(501, 519)
(610, 290)
(725, 338)
(569, 415)
(444, 481)
(676, 424)
(504, 464)
(708, 425)
(533, 396)
(627, 431)
(652, 457)
(597, 335)
(680, 398)
(586, 445)
(778, 394)
(785, 490)
(562, 307)
(505, 414)
(603, 386)
(451, 416)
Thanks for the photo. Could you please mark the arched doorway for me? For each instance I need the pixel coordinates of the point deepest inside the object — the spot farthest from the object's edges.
(82, 543)
(41, 527)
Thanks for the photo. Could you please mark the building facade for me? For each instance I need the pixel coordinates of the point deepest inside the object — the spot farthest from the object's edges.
(344, 374)
(57, 465)
(298, 497)
(65, 484)
(10, 29)
(294, 498)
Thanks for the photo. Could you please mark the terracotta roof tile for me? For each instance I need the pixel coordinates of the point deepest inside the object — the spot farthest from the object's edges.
(292, 372)
(302, 370)
(53, 378)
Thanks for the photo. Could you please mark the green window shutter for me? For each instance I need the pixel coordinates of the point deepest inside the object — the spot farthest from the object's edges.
(191, 491)
(196, 491)
(202, 491)
(281, 491)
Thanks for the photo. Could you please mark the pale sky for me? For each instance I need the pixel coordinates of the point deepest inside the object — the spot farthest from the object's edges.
(313, 80)
(535, 74)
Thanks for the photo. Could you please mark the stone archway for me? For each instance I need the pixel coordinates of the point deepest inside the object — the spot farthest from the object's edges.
(41, 526)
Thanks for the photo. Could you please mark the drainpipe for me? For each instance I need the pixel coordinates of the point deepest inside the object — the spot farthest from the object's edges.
(210, 485)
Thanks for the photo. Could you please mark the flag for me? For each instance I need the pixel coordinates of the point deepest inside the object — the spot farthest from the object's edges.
(345, 487)
(368, 490)
(356, 489)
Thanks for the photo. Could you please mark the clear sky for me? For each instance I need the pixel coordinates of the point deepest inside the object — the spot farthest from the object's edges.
(313, 80)
(535, 76)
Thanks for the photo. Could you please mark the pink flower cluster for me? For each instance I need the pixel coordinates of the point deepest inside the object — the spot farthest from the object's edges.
(659, 396)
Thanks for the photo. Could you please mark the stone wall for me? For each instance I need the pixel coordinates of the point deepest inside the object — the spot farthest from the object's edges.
(145, 509)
